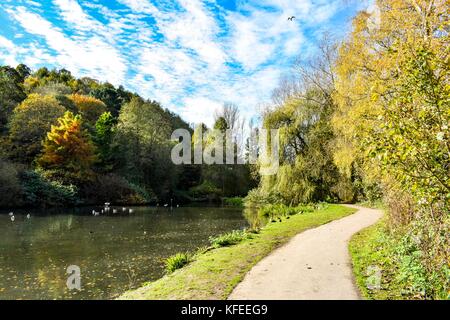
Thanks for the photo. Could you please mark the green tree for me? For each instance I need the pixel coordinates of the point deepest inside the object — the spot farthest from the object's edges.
(143, 134)
(11, 94)
(112, 97)
(104, 134)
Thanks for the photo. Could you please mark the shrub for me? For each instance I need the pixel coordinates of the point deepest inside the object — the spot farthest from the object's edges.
(257, 198)
(279, 210)
(114, 188)
(234, 202)
(207, 188)
(229, 239)
(40, 191)
(177, 261)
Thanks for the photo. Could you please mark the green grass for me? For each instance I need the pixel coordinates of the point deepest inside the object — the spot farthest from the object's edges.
(229, 239)
(177, 261)
(372, 248)
(215, 273)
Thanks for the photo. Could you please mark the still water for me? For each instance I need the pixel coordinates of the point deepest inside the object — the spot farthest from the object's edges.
(115, 253)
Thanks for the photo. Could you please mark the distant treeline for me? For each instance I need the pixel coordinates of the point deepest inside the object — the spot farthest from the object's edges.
(68, 141)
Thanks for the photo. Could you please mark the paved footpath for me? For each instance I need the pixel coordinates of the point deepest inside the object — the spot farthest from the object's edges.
(314, 265)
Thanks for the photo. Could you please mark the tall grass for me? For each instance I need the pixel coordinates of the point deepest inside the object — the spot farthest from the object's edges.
(177, 261)
(229, 239)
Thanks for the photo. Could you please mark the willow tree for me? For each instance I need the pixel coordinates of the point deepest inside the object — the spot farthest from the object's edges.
(302, 113)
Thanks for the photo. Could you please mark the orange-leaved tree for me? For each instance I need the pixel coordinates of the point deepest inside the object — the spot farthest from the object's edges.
(68, 147)
(89, 107)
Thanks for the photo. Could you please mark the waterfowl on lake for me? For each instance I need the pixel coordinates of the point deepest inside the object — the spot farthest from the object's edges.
(13, 218)
(131, 210)
(11, 214)
(28, 216)
(114, 211)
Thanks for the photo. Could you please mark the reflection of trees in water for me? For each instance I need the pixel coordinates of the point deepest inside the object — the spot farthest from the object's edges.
(255, 220)
(115, 253)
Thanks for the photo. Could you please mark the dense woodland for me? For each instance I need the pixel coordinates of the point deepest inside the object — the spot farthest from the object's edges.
(368, 120)
(67, 141)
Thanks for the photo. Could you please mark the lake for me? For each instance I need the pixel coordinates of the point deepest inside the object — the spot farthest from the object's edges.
(115, 253)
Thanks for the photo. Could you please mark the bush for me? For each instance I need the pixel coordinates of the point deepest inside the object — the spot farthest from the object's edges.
(422, 254)
(280, 210)
(206, 189)
(115, 189)
(257, 198)
(40, 191)
(229, 239)
(177, 261)
(234, 202)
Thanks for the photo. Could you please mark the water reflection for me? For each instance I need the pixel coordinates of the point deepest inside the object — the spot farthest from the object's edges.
(115, 253)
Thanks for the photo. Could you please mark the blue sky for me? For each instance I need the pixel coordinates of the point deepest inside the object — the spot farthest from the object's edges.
(191, 55)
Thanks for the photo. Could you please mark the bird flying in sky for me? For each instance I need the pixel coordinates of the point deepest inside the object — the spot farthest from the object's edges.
(291, 18)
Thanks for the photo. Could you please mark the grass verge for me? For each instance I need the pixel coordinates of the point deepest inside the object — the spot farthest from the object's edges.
(373, 265)
(214, 274)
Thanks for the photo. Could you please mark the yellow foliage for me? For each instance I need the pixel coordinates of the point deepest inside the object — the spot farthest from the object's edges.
(89, 107)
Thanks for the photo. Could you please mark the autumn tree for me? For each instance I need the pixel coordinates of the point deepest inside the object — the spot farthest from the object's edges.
(393, 98)
(89, 107)
(68, 147)
(30, 122)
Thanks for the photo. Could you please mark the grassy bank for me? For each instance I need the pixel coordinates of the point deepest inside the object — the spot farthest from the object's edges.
(214, 274)
(377, 254)
(371, 251)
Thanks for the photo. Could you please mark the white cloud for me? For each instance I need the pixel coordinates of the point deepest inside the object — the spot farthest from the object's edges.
(72, 12)
(89, 56)
(8, 51)
(191, 55)
(198, 110)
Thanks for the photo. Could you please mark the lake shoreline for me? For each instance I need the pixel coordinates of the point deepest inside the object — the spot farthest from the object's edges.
(115, 252)
(215, 273)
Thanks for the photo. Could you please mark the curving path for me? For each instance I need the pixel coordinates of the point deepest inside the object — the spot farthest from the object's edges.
(314, 265)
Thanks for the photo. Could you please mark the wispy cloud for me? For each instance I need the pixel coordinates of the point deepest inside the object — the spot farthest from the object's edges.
(192, 55)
